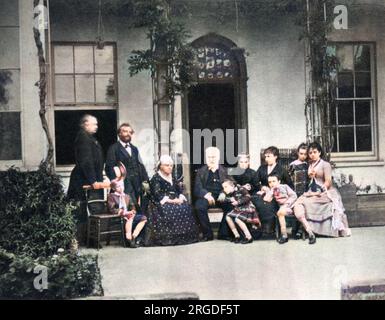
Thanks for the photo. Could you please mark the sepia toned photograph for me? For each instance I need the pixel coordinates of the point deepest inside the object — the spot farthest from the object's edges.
(191, 150)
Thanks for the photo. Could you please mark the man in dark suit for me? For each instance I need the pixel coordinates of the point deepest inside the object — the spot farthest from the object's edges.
(124, 151)
(208, 186)
(89, 160)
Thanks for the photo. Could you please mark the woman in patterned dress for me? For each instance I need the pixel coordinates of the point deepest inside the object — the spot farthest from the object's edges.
(171, 221)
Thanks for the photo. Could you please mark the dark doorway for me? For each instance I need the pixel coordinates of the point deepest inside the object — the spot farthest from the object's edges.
(67, 126)
(211, 106)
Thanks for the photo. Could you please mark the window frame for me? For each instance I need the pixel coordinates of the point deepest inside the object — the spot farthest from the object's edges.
(81, 106)
(362, 155)
(15, 162)
(85, 105)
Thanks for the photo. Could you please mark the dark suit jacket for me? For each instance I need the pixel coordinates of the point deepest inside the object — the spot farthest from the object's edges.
(262, 176)
(89, 164)
(201, 180)
(248, 176)
(136, 172)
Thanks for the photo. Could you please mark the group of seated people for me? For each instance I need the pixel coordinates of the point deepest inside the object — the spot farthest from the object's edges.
(250, 200)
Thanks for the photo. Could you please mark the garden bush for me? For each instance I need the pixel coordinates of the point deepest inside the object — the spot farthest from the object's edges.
(37, 228)
(69, 275)
(35, 217)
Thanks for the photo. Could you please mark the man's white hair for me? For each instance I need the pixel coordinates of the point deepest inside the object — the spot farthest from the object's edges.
(85, 119)
(213, 151)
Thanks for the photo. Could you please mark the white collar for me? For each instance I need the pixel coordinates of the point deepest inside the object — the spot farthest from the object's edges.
(125, 143)
(213, 169)
(167, 178)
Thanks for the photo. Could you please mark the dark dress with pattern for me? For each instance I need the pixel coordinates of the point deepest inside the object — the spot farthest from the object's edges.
(298, 171)
(245, 210)
(169, 224)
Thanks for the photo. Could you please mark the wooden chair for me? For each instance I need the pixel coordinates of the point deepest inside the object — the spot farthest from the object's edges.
(101, 223)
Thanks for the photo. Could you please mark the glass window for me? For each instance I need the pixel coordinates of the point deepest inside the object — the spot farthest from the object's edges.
(10, 129)
(9, 90)
(352, 116)
(64, 59)
(84, 74)
(10, 136)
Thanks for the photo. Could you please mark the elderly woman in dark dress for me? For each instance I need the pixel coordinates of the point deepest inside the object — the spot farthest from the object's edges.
(171, 221)
(268, 210)
(244, 175)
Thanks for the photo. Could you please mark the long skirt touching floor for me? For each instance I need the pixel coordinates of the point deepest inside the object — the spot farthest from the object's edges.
(171, 224)
(325, 213)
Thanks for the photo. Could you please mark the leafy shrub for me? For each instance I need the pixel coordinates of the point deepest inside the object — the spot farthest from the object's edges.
(35, 217)
(69, 276)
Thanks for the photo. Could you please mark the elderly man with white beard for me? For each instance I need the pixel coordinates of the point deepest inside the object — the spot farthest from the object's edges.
(208, 186)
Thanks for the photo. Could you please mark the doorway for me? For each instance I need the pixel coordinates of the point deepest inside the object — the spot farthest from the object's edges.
(212, 107)
(218, 102)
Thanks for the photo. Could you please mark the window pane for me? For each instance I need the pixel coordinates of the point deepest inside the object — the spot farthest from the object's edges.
(105, 88)
(364, 139)
(345, 113)
(345, 85)
(84, 59)
(64, 89)
(363, 112)
(345, 57)
(64, 59)
(67, 126)
(334, 139)
(10, 136)
(363, 85)
(104, 60)
(346, 139)
(9, 90)
(85, 88)
(362, 58)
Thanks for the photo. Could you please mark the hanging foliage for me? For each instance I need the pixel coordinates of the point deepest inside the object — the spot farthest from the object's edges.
(317, 24)
(168, 46)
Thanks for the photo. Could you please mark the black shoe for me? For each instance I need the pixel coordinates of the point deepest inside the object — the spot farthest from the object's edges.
(312, 238)
(298, 235)
(133, 244)
(246, 241)
(283, 239)
(204, 239)
(237, 240)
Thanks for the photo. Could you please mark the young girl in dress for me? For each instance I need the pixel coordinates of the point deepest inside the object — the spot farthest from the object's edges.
(243, 211)
(298, 171)
(120, 203)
